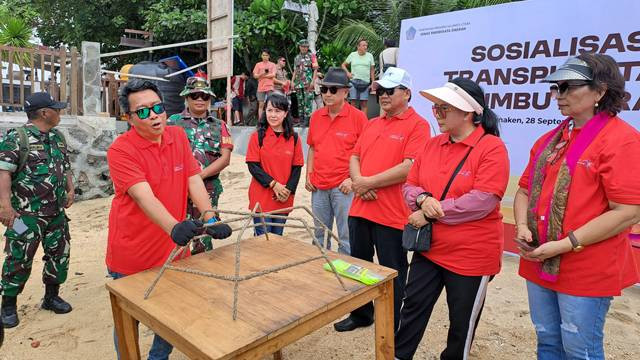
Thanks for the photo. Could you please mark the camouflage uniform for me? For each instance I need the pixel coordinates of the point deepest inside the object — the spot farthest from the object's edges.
(38, 194)
(206, 139)
(303, 86)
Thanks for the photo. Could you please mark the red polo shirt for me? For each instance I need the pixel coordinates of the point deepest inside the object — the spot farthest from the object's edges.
(276, 156)
(606, 171)
(384, 143)
(333, 142)
(135, 242)
(472, 248)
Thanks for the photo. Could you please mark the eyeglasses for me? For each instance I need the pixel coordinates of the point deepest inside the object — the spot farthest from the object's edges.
(145, 112)
(389, 91)
(558, 89)
(440, 111)
(332, 89)
(200, 95)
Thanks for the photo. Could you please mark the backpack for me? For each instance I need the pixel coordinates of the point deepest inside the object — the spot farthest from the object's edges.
(23, 146)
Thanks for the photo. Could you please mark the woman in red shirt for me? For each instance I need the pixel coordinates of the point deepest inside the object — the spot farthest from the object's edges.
(274, 158)
(467, 236)
(577, 199)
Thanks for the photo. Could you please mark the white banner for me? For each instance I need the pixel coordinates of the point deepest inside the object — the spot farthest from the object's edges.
(507, 49)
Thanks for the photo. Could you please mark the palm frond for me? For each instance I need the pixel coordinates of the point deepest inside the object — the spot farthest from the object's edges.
(350, 31)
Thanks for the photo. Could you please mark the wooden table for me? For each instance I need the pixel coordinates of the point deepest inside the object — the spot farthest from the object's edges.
(194, 313)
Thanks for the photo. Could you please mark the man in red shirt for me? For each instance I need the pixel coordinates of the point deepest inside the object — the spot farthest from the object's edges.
(379, 166)
(153, 171)
(333, 132)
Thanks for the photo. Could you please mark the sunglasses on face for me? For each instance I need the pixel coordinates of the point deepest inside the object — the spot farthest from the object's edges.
(200, 95)
(332, 89)
(145, 112)
(440, 111)
(557, 89)
(389, 91)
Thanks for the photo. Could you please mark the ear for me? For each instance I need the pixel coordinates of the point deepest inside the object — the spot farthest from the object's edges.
(601, 92)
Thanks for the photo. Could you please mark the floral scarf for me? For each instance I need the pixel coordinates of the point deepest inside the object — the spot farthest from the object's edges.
(552, 150)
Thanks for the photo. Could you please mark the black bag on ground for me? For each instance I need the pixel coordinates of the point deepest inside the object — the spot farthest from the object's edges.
(419, 239)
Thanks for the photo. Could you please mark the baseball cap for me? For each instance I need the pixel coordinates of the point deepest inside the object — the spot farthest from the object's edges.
(394, 77)
(454, 95)
(572, 69)
(42, 100)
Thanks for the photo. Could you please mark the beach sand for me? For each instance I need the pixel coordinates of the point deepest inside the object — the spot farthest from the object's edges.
(505, 330)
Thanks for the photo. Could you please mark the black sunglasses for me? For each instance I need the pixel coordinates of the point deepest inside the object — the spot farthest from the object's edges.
(200, 95)
(389, 91)
(562, 88)
(145, 112)
(332, 89)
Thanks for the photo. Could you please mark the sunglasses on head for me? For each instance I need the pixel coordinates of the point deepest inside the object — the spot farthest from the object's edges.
(145, 112)
(562, 88)
(389, 91)
(200, 95)
(440, 111)
(331, 89)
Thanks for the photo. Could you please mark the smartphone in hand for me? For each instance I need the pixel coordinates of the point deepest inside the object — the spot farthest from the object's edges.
(524, 245)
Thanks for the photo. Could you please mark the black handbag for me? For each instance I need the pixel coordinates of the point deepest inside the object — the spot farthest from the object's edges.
(419, 239)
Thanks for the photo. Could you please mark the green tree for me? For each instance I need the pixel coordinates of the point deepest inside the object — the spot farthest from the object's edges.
(16, 33)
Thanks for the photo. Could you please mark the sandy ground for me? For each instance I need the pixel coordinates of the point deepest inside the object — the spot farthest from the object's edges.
(505, 330)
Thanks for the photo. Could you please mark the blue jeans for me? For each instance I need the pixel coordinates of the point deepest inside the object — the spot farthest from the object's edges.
(259, 230)
(568, 327)
(160, 349)
(327, 205)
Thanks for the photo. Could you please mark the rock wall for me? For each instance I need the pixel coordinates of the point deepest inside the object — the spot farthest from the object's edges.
(88, 138)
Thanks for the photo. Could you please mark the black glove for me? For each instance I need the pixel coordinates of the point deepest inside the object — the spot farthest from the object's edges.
(184, 231)
(219, 231)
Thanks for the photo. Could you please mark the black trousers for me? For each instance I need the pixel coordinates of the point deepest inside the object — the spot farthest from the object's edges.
(465, 299)
(367, 237)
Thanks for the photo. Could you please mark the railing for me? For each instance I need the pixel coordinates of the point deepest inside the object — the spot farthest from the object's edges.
(40, 69)
(110, 87)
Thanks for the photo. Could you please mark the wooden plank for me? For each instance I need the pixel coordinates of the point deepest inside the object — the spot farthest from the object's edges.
(1, 88)
(310, 325)
(42, 72)
(41, 50)
(34, 71)
(384, 323)
(10, 74)
(21, 81)
(63, 76)
(52, 77)
(74, 81)
(126, 330)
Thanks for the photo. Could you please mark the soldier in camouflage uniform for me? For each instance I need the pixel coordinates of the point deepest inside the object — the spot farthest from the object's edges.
(210, 142)
(35, 188)
(304, 76)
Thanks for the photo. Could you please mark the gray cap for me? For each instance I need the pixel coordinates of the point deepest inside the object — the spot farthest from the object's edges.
(572, 69)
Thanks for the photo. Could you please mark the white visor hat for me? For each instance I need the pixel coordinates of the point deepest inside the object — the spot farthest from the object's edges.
(454, 95)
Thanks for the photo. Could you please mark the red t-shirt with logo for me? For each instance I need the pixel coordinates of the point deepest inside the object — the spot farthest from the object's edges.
(333, 142)
(276, 156)
(606, 171)
(136, 243)
(384, 143)
(472, 248)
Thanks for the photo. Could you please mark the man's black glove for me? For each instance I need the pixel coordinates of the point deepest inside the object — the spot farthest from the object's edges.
(219, 231)
(184, 231)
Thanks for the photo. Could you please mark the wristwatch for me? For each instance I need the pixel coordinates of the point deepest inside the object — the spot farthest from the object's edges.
(421, 198)
(574, 242)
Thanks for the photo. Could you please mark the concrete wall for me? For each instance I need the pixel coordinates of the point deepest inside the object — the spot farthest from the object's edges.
(88, 138)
